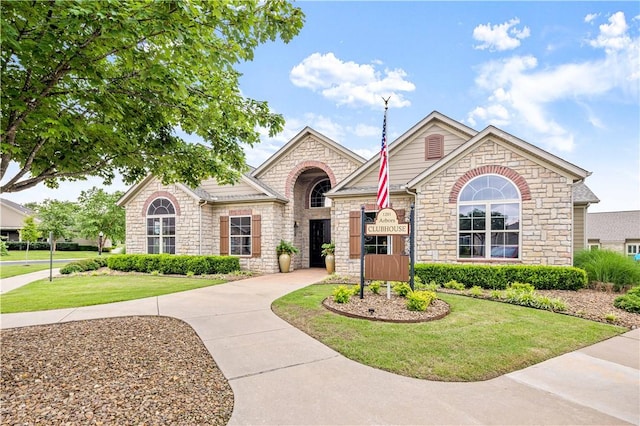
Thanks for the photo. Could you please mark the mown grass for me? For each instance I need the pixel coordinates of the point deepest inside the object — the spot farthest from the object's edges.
(8, 271)
(478, 340)
(87, 290)
(21, 255)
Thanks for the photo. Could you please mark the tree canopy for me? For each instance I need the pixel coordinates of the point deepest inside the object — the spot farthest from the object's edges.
(99, 88)
(98, 212)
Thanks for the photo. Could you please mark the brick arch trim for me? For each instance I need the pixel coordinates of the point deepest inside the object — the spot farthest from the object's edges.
(161, 194)
(495, 169)
(300, 168)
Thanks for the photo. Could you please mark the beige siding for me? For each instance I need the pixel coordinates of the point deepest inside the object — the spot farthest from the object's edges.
(12, 219)
(409, 161)
(239, 188)
(579, 227)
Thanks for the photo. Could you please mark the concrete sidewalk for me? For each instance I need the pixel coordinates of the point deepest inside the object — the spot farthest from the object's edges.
(280, 375)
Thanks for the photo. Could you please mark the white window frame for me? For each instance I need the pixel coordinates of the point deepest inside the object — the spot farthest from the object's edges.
(159, 221)
(379, 243)
(326, 201)
(594, 246)
(487, 218)
(631, 249)
(233, 237)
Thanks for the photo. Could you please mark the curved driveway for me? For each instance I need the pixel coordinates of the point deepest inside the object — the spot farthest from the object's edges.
(280, 375)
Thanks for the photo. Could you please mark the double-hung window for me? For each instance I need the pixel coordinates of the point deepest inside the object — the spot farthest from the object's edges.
(161, 227)
(375, 244)
(489, 219)
(240, 235)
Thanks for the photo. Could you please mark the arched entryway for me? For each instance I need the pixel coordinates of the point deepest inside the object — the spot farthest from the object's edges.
(312, 215)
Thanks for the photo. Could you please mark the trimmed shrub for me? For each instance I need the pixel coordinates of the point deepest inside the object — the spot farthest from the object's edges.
(71, 268)
(401, 288)
(83, 265)
(22, 245)
(342, 294)
(630, 302)
(173, 264)
(541, 277)
(420, 300)
(607, 266)
(3, 248)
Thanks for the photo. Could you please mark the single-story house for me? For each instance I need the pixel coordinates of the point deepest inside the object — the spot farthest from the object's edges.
(617, 231)
(480, 197)
(12, 216)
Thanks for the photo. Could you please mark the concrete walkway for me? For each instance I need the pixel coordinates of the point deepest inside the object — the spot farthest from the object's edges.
(280, 375)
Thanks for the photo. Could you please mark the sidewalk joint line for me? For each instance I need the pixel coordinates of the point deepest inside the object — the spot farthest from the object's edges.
(283, 367)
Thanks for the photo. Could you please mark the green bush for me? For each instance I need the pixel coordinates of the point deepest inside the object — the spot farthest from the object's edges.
(401, 288)
(375, 287)
(3, 248)
(630, 302)
(342, 294)
(475, 291)
(541, 277)
(420, 300)
(71, 268)
(454, 285)
(22, 245)
(174, 264)
(607, 266)
(83, 265)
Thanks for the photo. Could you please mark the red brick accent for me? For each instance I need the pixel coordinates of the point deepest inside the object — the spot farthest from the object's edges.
(495, 169)
(300, 168)
(160, 194)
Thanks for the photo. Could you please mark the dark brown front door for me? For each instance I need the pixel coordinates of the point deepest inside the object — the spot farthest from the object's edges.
(319, 233)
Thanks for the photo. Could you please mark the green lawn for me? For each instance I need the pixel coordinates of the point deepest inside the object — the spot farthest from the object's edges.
(86, 290)
(478, 340)
(7, 271)
(44, 255)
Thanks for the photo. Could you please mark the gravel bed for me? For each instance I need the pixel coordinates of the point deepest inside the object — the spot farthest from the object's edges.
(132, 370)
(389, 310)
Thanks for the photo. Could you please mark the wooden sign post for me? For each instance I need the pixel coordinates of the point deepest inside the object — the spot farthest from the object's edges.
(386, 267)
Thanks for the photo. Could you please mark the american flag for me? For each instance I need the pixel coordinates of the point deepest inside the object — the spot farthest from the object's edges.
(383, 174)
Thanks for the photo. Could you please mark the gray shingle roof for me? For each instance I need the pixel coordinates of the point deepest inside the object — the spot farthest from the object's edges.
(582, 194)
(16, 206)
(614, 226)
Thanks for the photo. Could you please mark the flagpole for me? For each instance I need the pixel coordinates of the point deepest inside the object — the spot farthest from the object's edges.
(383, 174)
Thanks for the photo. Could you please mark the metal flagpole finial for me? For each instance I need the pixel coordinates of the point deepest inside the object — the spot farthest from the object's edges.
(386, 102)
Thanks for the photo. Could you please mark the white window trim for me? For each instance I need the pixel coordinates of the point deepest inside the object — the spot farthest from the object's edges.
(626, 248)
(389, 237)
(161, 235)
(594, 245)
(231, 236)
(487, 204)
(327, 201)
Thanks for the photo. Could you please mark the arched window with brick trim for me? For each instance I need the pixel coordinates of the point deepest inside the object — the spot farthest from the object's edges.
(489, 209)
(161, 227)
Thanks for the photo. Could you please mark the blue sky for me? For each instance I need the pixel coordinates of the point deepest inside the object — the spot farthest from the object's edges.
(564, 76)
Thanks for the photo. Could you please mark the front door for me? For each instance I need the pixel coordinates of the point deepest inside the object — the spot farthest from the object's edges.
(319, 233)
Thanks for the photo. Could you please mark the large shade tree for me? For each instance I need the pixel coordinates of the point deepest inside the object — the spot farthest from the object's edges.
(95, 88)
(57, 218)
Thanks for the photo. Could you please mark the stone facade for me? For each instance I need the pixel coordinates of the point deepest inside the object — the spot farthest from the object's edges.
(546, 218)
(283, 185)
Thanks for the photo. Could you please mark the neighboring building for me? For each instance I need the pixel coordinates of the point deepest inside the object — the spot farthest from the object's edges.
(12, 216)
(617, 231)
(481, 197)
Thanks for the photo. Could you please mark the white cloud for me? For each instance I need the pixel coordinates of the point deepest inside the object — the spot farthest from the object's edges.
(519, 93)
(364, 130)
(500, 36)
(591, 17)
(352, 84)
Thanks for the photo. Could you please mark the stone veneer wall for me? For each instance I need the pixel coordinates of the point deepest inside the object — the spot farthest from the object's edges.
(188, 239)
(309, 154)
(272, 229)
(340, 227)
(546, 219)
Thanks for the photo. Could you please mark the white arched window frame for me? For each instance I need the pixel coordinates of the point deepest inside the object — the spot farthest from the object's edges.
(489, 217)
(316, 196)
(161, 227)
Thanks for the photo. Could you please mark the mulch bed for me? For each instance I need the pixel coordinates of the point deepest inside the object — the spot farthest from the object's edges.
(132, 370)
